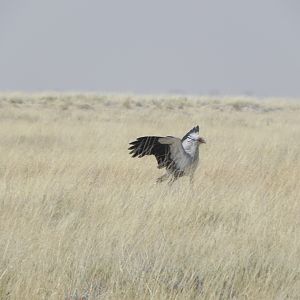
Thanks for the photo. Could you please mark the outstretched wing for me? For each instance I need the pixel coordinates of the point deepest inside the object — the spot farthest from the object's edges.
(168, 151)
(149, 145)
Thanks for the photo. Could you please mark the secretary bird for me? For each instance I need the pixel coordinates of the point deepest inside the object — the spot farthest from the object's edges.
(179, 156)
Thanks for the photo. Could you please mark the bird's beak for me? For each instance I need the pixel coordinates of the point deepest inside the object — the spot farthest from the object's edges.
(201, 141)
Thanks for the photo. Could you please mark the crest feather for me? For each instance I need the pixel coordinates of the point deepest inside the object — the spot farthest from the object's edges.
(193, 130)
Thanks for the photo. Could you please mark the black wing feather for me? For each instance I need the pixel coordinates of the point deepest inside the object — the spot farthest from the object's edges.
(149, 145)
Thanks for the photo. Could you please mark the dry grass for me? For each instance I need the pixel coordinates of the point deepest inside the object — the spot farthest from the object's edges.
(80, 219)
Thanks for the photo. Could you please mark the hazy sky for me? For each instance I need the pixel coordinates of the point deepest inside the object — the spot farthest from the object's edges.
(157, 46)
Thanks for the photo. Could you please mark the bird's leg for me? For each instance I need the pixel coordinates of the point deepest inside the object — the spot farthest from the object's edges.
(171, 181)
(192, 179)
(192, 185)
(162, 178)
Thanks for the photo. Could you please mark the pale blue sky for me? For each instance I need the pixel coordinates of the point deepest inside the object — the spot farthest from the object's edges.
(157, 46)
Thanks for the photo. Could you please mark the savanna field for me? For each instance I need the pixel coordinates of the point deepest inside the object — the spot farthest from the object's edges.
(81, 219)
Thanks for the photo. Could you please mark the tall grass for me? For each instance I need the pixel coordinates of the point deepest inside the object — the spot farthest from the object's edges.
(80, 219)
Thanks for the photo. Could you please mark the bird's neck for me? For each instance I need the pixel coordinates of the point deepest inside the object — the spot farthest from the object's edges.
(191, 148)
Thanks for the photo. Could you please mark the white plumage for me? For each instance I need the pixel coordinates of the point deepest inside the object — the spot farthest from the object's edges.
(179, 156)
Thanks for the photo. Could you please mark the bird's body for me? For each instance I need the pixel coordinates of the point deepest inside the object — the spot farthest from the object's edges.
(179, 156)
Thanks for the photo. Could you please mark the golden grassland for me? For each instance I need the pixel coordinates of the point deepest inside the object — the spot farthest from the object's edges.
(81, 219)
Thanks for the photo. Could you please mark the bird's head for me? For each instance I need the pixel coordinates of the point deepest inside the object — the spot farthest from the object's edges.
(195, 137)
(191, 141)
